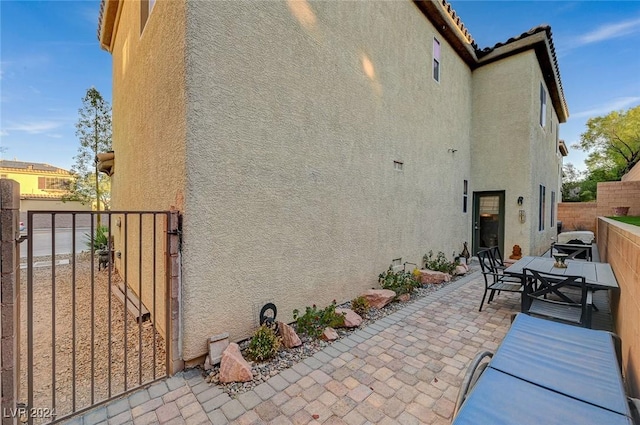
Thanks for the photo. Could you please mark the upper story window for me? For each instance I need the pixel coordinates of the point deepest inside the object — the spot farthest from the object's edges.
(53, 183)
(436, 60)
(146, 6)
(543, 106)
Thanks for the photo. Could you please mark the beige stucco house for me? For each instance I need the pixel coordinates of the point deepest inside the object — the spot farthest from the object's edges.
(310, 144)
(42, 187)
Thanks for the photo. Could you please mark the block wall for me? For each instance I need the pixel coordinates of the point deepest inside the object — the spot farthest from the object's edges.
(618, 194)
(619, 245)
(578, 215)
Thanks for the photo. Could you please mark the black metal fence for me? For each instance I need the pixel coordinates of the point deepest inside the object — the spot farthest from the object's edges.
(96, 307)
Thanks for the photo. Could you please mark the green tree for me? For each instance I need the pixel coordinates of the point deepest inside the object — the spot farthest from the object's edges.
(613, 142)
(93, 130)
(571, 180)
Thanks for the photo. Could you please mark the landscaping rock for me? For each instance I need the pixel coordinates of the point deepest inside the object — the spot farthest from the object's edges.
(351, 318)
(329, 334)
(233, 367)
(431, 276)
(404, 297)
(290, 338)
(378, 298)
(460, 270)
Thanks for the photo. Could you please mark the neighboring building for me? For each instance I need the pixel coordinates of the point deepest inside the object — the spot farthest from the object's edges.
(41, 188)
(310, 144)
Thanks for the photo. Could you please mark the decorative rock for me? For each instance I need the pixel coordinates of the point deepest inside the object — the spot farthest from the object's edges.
(233, 367)
(404, 298)
(351, 318)
(329, 334)
(460, 270)
(431, 276)
(290, 338)
(378, 298)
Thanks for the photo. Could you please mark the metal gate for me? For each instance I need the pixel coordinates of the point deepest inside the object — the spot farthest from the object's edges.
(98, 307)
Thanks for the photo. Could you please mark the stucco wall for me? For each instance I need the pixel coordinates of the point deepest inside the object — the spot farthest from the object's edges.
(292, 136)
(510, 150)
(619, 245)
(148, 129)
(578, 215)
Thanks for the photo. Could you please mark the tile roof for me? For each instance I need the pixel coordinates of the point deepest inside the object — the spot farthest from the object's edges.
(37, 166)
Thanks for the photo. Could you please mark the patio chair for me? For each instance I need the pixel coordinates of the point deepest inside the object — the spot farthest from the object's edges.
(575, 251)
(496, 256)
(493, 279)
(556, 297)
(474, 371)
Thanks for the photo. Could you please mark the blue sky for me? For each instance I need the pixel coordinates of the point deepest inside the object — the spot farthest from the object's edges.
(50, 56)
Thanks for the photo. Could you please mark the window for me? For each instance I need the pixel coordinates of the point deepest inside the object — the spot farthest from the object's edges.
(543, 105)
(146, 6)
(53, 183)
(398, 165)
(465, 187)
(541, 208)
(553, 207)
(436, 60)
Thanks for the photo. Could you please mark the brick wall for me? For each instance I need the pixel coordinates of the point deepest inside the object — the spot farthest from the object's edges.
(577, 215)
(619, 245)
(618, 194)
(583, 215)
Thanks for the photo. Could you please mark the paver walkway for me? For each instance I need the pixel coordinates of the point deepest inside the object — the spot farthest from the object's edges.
(405, 368)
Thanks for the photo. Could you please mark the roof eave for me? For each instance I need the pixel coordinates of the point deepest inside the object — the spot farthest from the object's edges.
(451, 29)
(562, 146)
(109, 14)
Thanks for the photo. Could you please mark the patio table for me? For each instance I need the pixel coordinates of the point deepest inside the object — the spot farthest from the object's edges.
(597, 275)
(549, 373)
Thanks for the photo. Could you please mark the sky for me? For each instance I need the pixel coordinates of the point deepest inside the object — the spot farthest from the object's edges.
(50, 56)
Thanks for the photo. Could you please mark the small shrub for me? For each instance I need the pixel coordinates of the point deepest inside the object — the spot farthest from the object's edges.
(314, 320)
(400, 282)
(100, 240)
(360, 305)
(264, 344)
(440, 263)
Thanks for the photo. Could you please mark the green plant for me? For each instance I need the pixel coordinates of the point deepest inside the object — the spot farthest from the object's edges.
(264, 344)
(314, 320)
(440, 263)
(400, 282)
(360, 305)
(100, 239)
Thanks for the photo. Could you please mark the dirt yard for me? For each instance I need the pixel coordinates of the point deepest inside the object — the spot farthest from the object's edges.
(95, 376)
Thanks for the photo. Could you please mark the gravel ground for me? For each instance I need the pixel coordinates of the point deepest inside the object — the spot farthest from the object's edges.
(92, 345)
(286, 358)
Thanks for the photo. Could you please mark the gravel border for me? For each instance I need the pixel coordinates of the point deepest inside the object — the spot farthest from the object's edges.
(287, 357)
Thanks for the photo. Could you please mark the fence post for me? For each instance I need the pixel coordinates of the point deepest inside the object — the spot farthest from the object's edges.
(173, 332)
(9, 297)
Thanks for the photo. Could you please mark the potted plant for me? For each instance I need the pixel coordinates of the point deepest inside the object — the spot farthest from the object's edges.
(620, 211)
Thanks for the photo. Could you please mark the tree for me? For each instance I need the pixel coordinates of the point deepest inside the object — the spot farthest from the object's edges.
(571, 180)
(93, 129)
(613, 142)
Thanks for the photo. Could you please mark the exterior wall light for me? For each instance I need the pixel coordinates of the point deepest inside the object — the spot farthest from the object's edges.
(520, 200)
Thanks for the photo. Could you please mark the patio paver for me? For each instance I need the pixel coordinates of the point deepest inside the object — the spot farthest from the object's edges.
(405, 368)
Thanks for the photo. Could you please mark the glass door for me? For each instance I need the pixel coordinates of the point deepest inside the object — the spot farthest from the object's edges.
(488, 220)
